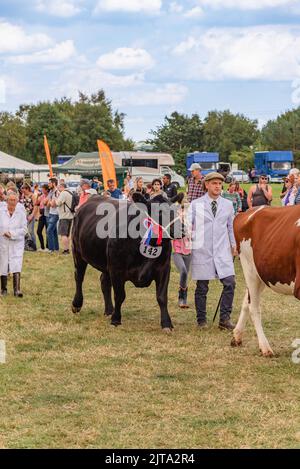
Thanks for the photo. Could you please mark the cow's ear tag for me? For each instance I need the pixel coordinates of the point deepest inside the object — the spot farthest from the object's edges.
(151, 252)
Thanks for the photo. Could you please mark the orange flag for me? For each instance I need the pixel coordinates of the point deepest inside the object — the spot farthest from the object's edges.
(47, 150)
(107, 163)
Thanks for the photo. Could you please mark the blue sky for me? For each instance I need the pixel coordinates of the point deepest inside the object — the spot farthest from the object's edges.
(153, 56)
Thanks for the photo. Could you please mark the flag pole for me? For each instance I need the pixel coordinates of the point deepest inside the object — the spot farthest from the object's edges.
(48, 155)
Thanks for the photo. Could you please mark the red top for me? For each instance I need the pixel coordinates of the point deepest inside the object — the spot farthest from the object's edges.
(182, 246)
(83, 198)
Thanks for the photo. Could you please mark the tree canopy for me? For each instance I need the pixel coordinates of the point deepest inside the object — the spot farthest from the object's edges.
(221, 131)
(226, 133)
(178, 135)
(73, 126)
(283, 133)
(70, 127)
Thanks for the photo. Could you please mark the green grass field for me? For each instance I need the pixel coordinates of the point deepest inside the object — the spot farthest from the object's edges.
(77, 382)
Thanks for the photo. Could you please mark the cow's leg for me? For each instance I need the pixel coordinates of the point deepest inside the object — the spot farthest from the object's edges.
(239, 328)
(80, 269)
(297, 282)
(106, 290)
(256, 286)
(119, 295)
(162, 298)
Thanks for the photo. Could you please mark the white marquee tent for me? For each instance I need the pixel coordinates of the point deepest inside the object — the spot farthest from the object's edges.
(8, 162)
(13, 166)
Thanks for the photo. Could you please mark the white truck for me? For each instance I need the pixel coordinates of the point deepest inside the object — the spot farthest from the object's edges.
(148, 165)
(148, 174)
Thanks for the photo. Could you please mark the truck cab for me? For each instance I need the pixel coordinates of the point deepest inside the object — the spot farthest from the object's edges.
(276, 164)
(207, 160)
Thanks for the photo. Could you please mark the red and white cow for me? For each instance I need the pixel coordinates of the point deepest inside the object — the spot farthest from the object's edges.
(268, 240)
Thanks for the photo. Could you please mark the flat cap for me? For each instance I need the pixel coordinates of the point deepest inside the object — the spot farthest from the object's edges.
(211, 176)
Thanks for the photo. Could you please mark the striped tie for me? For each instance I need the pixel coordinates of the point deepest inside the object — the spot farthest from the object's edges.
(214, 207)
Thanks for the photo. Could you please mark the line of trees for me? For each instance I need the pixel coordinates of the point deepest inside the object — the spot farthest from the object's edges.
(234, 136)
(70, 127)
(221, 132)
(75, 126)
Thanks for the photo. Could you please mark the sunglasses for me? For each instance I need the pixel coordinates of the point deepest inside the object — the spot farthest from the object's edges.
(262, 177)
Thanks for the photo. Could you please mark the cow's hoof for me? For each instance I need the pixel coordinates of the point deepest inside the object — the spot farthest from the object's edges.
(108, 313)
(236, 342)
(116, 323)
(167, 330)
(267, 353)
(76, 309)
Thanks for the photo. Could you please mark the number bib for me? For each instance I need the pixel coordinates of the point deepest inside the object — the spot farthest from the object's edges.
(151, 252)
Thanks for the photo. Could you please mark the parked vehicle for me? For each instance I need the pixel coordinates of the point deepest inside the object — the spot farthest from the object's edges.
(239, 176)
(143, 159)
(276, 164)
(148, 165)
(224, 169)
(72, 185)
(177, 179)
(148, 174)
(207, 160)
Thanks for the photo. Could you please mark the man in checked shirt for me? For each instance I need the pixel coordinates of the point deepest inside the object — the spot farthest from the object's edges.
(196, 187)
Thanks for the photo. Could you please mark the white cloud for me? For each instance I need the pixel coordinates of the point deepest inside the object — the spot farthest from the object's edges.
(58, 54)
(126, 58)
(2, 91)
(131, 6)
(89, 79)
(296, 92)
(195, 12)
(124, 90)
(12, 86)
(259, 53)
(168, 94)
(175, 7)
(247, 4)
(63, 8)
(14, 39)
(185, 46)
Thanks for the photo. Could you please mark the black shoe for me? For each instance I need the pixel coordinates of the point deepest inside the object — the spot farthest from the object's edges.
(3, 285)
(16, 284)
(226, 325)
(66, 251)
(203, 325)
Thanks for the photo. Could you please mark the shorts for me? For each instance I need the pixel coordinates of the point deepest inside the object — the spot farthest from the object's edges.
(64, 227)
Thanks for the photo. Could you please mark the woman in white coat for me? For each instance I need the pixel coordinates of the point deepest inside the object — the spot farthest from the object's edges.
(13, 228)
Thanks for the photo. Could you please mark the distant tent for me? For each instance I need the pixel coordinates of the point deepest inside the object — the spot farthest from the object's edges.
(9, 163)
(88, 165)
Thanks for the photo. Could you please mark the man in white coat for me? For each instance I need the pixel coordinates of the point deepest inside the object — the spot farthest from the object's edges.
(213, 248)
(13, 228)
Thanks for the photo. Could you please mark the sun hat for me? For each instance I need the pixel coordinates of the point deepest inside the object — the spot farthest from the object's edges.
(195, 166)
(85, 181)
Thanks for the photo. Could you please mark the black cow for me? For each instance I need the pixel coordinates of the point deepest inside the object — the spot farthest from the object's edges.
(120, 260)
